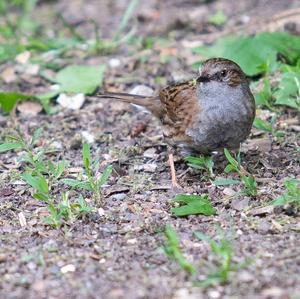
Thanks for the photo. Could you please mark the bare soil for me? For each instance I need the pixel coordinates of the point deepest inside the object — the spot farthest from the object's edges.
(117, 252)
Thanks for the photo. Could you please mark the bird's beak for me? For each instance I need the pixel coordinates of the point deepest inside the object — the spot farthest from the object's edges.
(203, 79)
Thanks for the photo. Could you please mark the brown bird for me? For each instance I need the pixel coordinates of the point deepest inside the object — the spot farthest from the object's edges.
(212, 112)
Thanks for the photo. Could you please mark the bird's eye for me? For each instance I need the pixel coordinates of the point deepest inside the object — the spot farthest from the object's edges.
(223, 73)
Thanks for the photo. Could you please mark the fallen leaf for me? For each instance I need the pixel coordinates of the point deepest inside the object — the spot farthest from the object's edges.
(23, 57)
(240, 204)
(32, 69)
(29, 108)
(8, 75)
(262, 211)
(80, 78)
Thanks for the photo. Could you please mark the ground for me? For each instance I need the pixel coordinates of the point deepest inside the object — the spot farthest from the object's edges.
(116, 250)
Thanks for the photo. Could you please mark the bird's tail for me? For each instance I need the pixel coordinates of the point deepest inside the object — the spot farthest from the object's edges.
(152, 104)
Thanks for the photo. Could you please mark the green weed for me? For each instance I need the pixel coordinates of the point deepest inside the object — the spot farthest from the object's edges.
(44, 177)
(248, 180)
(193, 205)
(221, 264)
(95, 180)
(291, 196)
(172, 250)
(269, 127)
(202, 162)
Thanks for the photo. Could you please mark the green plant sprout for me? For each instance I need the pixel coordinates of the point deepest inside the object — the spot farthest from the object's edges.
(250, 185)
(223, 264)
(216, 272)
(268, 127)
(202, 163)
(43, 177)
(291, 196)
(172, 250)
(94, 181)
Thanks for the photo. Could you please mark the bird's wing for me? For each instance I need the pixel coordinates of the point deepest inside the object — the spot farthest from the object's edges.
(181, 109)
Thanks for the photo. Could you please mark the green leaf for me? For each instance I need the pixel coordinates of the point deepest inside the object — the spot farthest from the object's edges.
(41, 196)
(105, 175)
(288, 93)
(77, 184)
(10, 146)
(45, 99)
(225, 182)
(80, 78)
(37, 182)
(126, 17)
(291, 196)
(86, 155)
(229, 168)
(279, 201)
(193, 205)
(9, 51)
(60, 169)
(252, 52)
(8, 100)
(172, 250)
(36, 135)
(230, 159)
(262, 125)
(263, 99)
(218, 19)
(201, 162)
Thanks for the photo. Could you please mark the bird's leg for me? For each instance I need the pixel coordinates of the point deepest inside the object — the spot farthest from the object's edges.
(175, 184)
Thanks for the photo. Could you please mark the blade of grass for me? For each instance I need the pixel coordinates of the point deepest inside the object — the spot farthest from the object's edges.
(126, 17)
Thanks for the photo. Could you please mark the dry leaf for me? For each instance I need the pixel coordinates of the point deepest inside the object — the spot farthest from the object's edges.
(29, 108)
(8, 75)
(23, 57)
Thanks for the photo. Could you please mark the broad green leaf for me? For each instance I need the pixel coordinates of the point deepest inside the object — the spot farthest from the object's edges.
(45, 99)
(8, 100)
(288, 93)
(201, 162)
(225, 182)
(39, 183)
(252, 52)
(80, 78)
(193, 205)
(263, 99)
(10, 146)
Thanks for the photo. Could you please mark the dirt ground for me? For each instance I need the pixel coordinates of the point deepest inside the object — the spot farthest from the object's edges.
(118, 253)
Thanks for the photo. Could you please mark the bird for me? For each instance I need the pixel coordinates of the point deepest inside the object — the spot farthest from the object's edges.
(211, 112)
